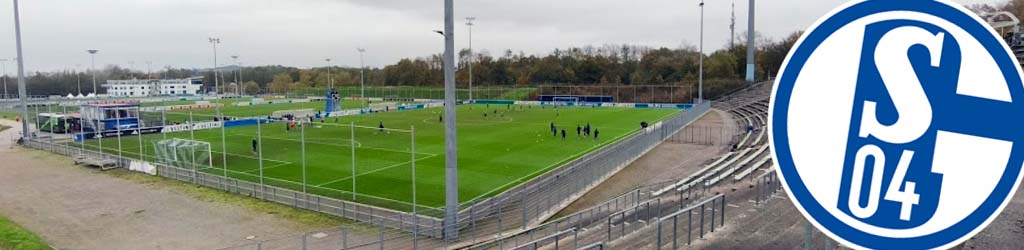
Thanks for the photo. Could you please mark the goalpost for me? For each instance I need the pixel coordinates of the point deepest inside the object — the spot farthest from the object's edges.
(182, 153)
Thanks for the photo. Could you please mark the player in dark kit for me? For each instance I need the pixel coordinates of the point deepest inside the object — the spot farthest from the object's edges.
(563, 135)
(254, 146)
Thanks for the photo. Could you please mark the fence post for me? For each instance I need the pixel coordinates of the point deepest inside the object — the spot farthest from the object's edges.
(523, 201)
(702, 220)
(304, 244)
(722, 213)
(344, 238)
(689, 226)
(658, 241)
(675, 232)
(807, 235)
(713, 215)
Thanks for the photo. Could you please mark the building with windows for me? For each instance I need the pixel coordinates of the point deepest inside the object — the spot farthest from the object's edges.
(153, 87)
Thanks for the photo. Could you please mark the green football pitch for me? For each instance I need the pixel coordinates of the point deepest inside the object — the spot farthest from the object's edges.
(496, 152)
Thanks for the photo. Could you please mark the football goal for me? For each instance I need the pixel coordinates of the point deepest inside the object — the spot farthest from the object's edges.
(182, 153)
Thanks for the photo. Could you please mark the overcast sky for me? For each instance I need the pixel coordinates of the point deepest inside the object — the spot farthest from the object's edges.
(303, 33)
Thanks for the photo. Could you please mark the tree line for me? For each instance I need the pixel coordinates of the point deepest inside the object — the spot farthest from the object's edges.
(608, 65)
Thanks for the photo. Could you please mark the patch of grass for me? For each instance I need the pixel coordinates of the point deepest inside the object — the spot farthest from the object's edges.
(6, 115)
(4, 127)
(309, 219)
(15, 237)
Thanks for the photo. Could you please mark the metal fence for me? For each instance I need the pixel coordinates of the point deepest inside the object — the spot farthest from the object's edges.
(703, 135)
(674, 221)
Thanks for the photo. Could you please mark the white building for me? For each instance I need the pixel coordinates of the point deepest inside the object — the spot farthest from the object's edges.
(164, 87)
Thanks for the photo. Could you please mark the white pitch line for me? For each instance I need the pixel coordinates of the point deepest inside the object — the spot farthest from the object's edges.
(268, 168)
(339, 145)
(373, 171)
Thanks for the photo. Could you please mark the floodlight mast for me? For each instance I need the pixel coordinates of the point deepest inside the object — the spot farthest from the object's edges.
(92, 68)
(22, 92)
(700, 80)
(451, 149)
(238, 75)
(4, 63)
(330, 78)
(216, 81)
(362, 77)
(469, 23)
(750, 42)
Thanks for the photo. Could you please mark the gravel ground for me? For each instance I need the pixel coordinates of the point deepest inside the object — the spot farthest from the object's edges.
(74, 207)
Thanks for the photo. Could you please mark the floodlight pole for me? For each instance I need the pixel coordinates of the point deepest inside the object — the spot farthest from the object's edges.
(362, 77)
(750, 42)
(93, 52)
(330, 78)
(238, 84)
(302, 135)
(223, 143)
(4, 63)
(259, 144)
(22, 92)
(352, 142)
(700, 81)
(469, 23)
(412, 146)
(451, 148)
(216, 81)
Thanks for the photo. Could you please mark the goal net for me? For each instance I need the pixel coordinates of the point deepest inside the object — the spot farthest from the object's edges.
(184, 153)
(566, 101)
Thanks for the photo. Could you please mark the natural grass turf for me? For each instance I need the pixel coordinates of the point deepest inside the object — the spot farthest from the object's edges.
(7, 115)
(495, 153)
(15, 237)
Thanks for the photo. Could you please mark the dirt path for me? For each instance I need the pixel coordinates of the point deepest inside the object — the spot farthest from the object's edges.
(73, 207)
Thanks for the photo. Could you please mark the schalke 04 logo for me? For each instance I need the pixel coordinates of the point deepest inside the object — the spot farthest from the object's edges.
(898, 124)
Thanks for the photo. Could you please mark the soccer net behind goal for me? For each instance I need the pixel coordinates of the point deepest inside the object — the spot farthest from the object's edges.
(566, 101)
(182, 153)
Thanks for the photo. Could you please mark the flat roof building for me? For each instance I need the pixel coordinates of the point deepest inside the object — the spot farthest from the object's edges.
(154, 87)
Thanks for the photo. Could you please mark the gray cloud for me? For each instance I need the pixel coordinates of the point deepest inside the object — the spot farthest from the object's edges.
(304, 32)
